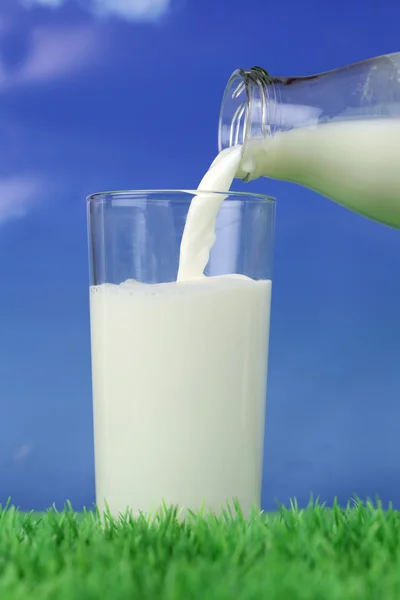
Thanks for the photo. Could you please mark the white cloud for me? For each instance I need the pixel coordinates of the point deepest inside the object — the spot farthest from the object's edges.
(133, 10)
(17, 195)
(50, 3)
(58, 52)
(55, 52)
(23, 452)
(130, 10)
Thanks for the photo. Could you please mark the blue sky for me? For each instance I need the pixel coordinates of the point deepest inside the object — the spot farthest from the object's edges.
(107, 94)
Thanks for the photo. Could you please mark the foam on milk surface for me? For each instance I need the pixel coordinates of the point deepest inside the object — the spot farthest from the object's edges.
(179, 382)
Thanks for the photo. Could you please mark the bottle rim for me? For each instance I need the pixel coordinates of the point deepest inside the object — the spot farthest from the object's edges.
(243, 107)
(232, 113)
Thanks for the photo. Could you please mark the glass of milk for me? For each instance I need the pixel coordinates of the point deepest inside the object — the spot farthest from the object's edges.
(179, 367)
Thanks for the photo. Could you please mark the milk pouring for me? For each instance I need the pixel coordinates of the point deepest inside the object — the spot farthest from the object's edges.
(180, 367)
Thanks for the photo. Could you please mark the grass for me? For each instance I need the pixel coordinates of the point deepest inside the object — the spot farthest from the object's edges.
(317, 553)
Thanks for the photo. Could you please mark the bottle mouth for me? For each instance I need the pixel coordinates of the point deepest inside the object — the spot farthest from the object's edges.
(245, 108)
(234, 114)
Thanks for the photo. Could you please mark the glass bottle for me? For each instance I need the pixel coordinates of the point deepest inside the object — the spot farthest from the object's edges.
(337, 133)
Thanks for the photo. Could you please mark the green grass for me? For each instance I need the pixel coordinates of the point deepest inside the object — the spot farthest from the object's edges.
(316, 553)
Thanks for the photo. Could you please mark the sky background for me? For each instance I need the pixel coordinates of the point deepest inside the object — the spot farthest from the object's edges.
(118, 94)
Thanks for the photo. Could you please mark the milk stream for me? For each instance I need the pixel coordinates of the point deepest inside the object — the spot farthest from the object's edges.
(199, 232)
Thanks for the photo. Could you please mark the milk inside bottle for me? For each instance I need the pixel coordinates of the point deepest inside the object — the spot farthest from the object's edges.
(337, 133)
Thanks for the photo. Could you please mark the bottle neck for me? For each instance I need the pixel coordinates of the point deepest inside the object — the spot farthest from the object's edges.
(256, 105)
(248, 107)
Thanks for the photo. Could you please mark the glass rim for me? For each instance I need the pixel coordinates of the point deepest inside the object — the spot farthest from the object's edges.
(230, 195)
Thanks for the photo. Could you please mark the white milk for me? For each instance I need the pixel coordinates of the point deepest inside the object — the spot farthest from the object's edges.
(179, 386)
(356, 163)
(199, 233)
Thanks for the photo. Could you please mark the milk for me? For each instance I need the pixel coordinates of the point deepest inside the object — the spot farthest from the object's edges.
(199, 232)
(353, 162)
(179, 386)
